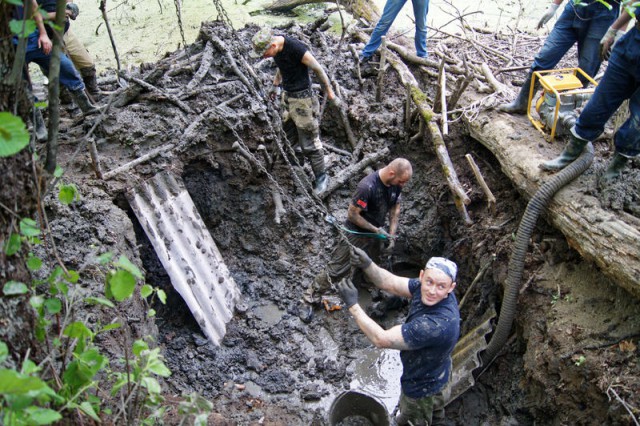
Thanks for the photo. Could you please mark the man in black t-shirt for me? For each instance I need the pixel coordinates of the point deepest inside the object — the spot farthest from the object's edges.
(376, 197)
(294, 59)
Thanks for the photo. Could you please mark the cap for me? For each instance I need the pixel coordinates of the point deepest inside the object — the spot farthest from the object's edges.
(261, 41)
(445, 265)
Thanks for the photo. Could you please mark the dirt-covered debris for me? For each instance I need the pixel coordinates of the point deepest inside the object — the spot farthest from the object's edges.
(572, 357)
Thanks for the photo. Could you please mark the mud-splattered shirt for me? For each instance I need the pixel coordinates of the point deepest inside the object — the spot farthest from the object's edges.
(295, 74)
(432, 333)
(375, 199)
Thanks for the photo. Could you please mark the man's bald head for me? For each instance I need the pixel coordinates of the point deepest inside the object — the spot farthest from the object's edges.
(401, 166)
(398, 172)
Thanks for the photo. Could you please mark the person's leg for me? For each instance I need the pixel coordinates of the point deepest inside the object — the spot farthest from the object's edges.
(627, 138)
(560, 40)
(82, 61)
(304, 112)
(420, 11)
(589, 47)
(391, 10)
(417, 412)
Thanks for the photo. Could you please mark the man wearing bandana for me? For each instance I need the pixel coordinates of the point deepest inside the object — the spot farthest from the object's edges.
(425, 340)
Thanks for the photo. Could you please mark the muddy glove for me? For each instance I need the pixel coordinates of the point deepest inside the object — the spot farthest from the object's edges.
(548, 14)
(389, 248)
(274, 92)
(348, 292)
(336, 102)
(72, 10)
(359, 258)
(384, 233)
(607, 42)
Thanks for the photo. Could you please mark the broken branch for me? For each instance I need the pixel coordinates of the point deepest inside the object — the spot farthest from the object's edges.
(491, 200)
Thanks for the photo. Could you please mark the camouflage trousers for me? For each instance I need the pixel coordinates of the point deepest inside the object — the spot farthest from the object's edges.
(304, 113)
(427, 411)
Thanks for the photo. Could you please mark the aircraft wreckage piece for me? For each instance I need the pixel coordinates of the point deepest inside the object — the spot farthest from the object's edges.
(187, 251)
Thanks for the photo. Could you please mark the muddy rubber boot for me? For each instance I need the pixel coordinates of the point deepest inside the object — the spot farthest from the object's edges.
(65, 96)
(82, 101)
(572, 151)
(39, 126)
(519, 105)
(90, 82)
(322, 182)
(617, 163)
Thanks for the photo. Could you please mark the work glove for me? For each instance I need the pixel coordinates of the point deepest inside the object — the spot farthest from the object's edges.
(607, 42)
(348, 292)
(548, 14)
(359, 258)
(384, 233)
(336, 102)
(72, 10)
(274, 92)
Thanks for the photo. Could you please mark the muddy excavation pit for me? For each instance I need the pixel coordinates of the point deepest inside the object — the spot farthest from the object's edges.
(275, 365)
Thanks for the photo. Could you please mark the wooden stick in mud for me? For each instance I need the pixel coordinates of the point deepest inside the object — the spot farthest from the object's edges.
(220, 45)
(461, 85)
(437, 102)
(352, 49)
(345, 118)
(381, 70)
(407, 110)
(146, 157)
(246, 154)
(277, 202)
(491, 200)
(443, 100)
(95, 159)
(265, 155)
(493, 82)
(205, 64)
(347, 174)
(130, 93)
(150, 87)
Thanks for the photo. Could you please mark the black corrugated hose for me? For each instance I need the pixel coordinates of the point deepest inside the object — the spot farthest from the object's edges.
(538, 202)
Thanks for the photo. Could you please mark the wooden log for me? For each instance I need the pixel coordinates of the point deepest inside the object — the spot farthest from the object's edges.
(279, 210)
(205, 64)
(491, 199)
(146, 157)
(608, 239)
(347, 174)
(381, 70)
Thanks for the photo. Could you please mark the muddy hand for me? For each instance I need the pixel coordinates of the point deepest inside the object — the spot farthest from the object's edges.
(389, 248)
(384, 233)
(348, 292)
(359, 258)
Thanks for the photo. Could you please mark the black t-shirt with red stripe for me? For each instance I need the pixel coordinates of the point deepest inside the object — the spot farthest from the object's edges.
(375, 199)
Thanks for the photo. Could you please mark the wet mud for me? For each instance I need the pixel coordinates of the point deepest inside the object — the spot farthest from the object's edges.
(575, 335)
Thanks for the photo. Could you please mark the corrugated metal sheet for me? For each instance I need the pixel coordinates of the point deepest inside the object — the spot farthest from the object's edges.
(187, 251)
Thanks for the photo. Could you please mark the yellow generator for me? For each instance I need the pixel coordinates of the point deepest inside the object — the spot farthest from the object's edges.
(562, 95)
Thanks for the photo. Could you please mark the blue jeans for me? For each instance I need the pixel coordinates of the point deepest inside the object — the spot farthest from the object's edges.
(621, 81)
(391, 10)
(583, 25)
(69, 76)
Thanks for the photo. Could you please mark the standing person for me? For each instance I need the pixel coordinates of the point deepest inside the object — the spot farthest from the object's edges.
(294, 59)
(391, 10)
(584, 24)
(621, 81)
(426, 339)
(79, 54)
(376, 197)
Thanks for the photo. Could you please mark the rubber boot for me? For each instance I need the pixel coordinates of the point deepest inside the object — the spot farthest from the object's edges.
(82, 101)
(572, 151)
(90, 82)
(65, 96)
(39, 125)
(519, 105)
(617, 163)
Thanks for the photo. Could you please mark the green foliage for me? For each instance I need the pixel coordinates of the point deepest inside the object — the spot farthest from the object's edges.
(13, 134)
(68, 193)
(197, 406)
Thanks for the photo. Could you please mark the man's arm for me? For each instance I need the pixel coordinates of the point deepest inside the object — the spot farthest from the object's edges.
(310, 61)
(354, 214)
(277, 80)
(394, 216)
(381, 278)
(380, 337)
(44, 42)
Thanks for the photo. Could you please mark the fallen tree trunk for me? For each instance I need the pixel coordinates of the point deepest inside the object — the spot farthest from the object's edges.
(364, 9)
(601, 236)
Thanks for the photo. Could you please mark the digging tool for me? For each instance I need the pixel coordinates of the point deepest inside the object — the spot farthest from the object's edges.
(332, 220)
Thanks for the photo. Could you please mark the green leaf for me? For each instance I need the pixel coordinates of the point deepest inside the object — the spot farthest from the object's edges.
(81, 371)
(13, 245)
(155, 364)
(36, 302)
(4, 351)
(105, 258)
(139, 346)
(111, 326)
(14, 2)
(162, 296)
(34, 263)
(58, 172)
(126, 264)
(53, 305)
(68, 194)
(14, 288)
(151, 384)
(41, 416)
(29, 227)
(14, 383)
(77, 329)
(13, 134)
(151, 313)
(29, 367)
(99, 301)
(201, 419)
(121, 284)
(72, 276)
(87, 408)
(146, 291)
